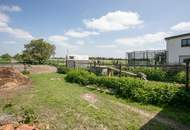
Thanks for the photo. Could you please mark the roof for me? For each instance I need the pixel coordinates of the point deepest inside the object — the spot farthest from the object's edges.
(176, 36)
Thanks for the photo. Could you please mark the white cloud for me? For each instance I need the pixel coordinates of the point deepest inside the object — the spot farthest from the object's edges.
(114, 21)
(16, 32)
(183, 26)
(143, 40)
(19, 33)
(57, 38)
(106, 46)
(61, 41)
(80, 34)
(80, 42)
(3, 18)
(13, 8)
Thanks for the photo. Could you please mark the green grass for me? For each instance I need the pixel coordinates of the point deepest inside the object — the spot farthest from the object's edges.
(60, 105)
(4, 61)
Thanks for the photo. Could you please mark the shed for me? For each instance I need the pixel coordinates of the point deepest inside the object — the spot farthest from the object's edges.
(77, 61)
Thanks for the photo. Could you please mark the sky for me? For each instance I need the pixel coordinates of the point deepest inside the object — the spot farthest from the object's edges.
(107, 28)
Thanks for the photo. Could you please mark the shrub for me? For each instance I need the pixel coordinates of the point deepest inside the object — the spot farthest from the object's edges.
(25, 72)
(161, 75)
(80, 76)
(138, 90)
(28, 115)
(151, 73)
(180, 77)
(62, 69)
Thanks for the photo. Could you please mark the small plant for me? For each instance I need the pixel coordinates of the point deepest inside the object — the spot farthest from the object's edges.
(8, 108)
(25, 72)
(62, 69)
(28, 115)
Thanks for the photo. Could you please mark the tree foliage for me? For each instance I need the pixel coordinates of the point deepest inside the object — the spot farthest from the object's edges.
(38, 51)
(6, 56)
(18, 57)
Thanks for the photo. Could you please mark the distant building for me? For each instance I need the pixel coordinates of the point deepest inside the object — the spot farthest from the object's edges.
(77, 61)
(178, 48)
(147, 57)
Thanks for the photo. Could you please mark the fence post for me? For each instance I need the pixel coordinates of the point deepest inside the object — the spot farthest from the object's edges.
(187, 74)
(74, 64)
(120, 70)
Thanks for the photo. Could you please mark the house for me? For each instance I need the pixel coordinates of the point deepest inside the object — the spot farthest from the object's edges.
(77, 61)
(178, 48)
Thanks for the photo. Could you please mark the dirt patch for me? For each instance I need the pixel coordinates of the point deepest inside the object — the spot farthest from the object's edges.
(11, 78)
(56, 79)
(39, 69)
(89, 97)
(19, 127)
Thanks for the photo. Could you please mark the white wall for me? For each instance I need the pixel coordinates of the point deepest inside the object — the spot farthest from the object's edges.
(175, 50)
(78, 57)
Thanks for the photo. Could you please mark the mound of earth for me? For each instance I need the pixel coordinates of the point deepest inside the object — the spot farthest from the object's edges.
(11, 78)
(38, 69)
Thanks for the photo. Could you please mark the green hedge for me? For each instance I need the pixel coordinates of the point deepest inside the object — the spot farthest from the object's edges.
(150, 92)
(160, 75)
(151, 73)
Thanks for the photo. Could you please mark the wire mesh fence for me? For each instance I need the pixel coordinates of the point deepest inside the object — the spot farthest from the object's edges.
(148, 57)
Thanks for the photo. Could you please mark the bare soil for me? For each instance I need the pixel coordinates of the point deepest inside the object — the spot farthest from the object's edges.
(39, 69)
(34, 69)
(11, 78)
(90, 97)
(19, 127)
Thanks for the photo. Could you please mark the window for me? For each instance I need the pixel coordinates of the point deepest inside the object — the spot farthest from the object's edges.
(185, 42)
(71, 57)
(182, 58)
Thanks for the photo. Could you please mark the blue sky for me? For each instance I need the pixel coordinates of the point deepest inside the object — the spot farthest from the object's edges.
(93, 27)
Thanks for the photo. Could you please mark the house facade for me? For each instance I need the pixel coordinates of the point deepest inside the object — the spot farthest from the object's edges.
(178, 48)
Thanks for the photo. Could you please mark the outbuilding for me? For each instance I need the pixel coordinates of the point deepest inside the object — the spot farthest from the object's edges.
(77, 61)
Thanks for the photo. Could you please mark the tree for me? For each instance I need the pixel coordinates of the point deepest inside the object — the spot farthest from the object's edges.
(18, 57)
(38, 51)
(6, 56)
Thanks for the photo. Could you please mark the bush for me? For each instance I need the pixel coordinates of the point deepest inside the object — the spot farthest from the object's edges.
(62, 69)
(161, 75)
(156, 93)
(25, 72)
(151, 73)
(28, 115)
(80, 76)
(180, 77)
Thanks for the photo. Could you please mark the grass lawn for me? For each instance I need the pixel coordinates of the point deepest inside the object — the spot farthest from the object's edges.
(4, 61)
(60, 105)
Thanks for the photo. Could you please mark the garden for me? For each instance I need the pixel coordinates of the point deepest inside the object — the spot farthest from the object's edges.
(80, 99)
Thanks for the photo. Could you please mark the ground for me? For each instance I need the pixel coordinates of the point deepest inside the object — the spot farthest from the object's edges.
(65, 106)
